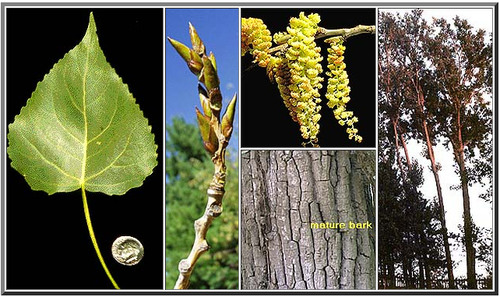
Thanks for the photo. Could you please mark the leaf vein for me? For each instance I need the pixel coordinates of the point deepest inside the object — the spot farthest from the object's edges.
(47, 160)
(113, 184)
(85, 123)
(117, 157)
(61, 124)
(109, 141)
(127, 165)
(71, 95)
(62, 149)
(109, 124)
(44, 181)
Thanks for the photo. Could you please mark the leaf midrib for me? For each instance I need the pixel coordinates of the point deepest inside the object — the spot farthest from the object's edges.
(85, 123)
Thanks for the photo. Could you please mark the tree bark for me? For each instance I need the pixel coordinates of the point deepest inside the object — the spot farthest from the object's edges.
(283, 192)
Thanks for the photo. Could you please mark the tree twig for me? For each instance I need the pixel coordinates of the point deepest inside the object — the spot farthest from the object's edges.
(215, 134)
(347, 32)
(322, 33)
(213, 209)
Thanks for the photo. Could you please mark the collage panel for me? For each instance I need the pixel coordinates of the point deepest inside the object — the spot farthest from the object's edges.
(435, 163)
(308, 220)
(84, 155)
(202, 81)
(311, 66)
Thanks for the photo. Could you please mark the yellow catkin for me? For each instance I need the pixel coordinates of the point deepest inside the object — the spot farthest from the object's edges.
(338, 88)
(256, 40)
(298, 74)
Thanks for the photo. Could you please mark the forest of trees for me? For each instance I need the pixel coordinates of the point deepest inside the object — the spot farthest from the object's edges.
(189, 171)
(435, 84)
(282, 193)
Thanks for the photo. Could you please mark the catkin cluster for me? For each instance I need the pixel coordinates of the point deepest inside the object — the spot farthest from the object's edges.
(295, 65)
(298, 76)
(256, 39)
(338, 88)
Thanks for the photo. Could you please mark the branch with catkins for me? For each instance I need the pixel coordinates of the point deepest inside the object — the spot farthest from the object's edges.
(292, 59)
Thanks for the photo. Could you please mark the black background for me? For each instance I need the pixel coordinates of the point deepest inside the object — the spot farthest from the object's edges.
(48, 245)
(265, 121)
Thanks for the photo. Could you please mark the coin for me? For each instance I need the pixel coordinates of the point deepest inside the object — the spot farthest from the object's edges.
(127, 250)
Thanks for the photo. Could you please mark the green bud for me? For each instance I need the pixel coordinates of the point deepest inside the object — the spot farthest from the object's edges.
(203, 124)
(228, 118)
(212, 59)
(198, 45)
(211, 78)
(181, 49)
(208, 136)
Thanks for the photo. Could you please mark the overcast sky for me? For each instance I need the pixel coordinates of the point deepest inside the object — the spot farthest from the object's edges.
(482, 213)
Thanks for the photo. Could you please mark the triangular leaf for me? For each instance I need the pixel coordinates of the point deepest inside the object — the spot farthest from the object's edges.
(81, 128)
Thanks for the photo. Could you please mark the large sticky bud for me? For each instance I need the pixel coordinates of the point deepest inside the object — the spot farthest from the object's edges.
(228, 118)
(198, 45)
(211, 78)
(207, 133)
(212, 59)
(205, 102)
(192, 59)
(195, 63)
(182, 49)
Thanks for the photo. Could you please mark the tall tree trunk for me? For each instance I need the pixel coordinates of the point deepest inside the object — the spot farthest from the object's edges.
(469, 244)
(458, 147)
(430, 155)
(407, 155)
(396, 143)
(283, 193)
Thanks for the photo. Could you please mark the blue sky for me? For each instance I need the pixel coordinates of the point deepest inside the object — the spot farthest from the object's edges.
(219, 30)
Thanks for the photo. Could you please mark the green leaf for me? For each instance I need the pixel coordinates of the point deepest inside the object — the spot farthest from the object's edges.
(81, 128)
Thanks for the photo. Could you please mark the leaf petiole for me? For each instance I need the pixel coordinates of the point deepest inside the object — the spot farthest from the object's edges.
(92, 237)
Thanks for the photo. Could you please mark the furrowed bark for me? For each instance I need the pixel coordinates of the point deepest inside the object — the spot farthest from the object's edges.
(282, 193)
